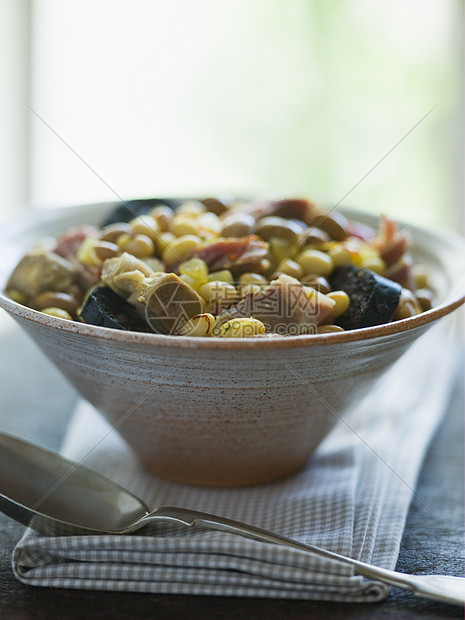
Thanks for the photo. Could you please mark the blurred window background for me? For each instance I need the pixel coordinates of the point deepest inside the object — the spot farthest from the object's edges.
(359, 101)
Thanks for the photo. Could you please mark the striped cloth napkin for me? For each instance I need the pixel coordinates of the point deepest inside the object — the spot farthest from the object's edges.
(352, 498)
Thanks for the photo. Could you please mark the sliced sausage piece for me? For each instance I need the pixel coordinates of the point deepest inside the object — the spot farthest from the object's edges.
(126, 211)
(163, 300)
(373, 299)
(105, 308)
(169, 303)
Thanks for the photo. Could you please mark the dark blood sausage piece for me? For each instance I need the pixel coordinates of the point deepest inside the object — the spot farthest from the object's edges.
(105, 308)
(129, 209)
(373, 299)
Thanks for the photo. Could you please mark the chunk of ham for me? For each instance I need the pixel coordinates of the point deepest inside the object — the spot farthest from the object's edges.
(360, 231)
(394, 248)
(391, 242)
(232, 252)
(401, 272)
(67, 247)
(69, 242)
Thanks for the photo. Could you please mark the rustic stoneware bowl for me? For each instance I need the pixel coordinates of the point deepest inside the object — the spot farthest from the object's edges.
(223, 411)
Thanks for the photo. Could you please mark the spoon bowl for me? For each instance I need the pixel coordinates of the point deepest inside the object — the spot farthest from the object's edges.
(53, 495)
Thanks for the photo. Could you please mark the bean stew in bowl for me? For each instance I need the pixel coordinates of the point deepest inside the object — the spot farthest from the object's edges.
(247, 269)
(224, 339)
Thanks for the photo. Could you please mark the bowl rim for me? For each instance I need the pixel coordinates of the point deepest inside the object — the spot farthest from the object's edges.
(188, 342)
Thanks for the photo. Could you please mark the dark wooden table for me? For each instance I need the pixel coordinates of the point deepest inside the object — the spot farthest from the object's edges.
(36, 403)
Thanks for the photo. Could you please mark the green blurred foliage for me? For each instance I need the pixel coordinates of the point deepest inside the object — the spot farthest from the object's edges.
(358, 101)
(311, 97)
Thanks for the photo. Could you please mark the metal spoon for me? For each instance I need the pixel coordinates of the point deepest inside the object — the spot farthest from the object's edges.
(56, 496)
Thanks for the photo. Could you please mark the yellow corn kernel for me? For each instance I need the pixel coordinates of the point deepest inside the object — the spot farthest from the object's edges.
(105, 249)
(316, 298)
(200, 325)
(328, 329)
(163, 241)
(155, 264)
(221, 276)
(195, 267)
(209, 224)
(191, 207)
(94, 251)
(326, 246)
(86, 253)
(139, 246)
(369, 258)
(317, 282)
(408, 306)
(420, 276)
(183, 225)
(113, 231)
(342, 302)
(339, 255)
(194, 272)
(163, 216)
(145, 225)
(315, 262)
(290, 268)
(353, 245)
(425, 298)
(264, 265)
(252, 278)
(241, 328)
(180, 248)
(218, 293)
(374, 263)
(188, 279)
(281, 249)
(17, 296)
(56, 299)
(58, 312)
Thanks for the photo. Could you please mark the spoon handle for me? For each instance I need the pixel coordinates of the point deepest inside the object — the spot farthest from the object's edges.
(439, 587)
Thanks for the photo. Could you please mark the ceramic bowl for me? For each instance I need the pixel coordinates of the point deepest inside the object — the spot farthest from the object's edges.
(223, 412)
